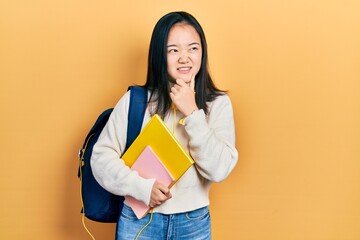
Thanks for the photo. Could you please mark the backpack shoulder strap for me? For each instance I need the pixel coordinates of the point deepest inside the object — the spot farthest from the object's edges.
(137, 107)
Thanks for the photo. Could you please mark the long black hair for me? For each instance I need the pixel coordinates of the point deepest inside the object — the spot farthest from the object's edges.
(157, 76)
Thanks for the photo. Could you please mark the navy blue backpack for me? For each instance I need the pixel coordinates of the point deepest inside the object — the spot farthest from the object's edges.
(98, 204)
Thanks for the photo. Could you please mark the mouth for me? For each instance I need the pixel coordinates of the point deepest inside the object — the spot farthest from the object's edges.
(184, 69)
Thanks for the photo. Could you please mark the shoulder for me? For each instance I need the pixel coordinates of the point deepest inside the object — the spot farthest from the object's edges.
(220, 101)
(221, 107)
(124, 100)
(123, 103)
(122, 106)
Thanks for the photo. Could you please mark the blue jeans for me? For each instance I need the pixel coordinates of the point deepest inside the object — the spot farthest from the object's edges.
(193, 225)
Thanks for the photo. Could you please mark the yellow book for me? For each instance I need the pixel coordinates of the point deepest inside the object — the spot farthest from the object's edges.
(169, 150)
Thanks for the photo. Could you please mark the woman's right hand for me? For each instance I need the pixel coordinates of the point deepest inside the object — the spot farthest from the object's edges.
(159, 194)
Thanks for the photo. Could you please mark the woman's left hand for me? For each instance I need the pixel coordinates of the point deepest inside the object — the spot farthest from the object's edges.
(183, 96)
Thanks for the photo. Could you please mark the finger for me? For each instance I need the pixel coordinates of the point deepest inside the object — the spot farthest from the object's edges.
(192, 82)
(180, 82)
(169, 195)
(177, 87)
(172, 96)
(165, 190)
(173, 89)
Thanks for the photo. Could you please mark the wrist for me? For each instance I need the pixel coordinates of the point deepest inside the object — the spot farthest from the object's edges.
(191, 112)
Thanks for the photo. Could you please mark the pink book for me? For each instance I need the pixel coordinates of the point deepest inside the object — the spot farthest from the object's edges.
(148, 165)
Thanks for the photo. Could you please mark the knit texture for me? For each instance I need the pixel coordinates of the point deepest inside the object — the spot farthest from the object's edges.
(210, 140)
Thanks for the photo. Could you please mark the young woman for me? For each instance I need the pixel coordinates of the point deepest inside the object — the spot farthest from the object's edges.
(182, 92)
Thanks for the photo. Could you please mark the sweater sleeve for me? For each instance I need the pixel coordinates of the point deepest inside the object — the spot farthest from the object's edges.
(108, 168)
(212, 139)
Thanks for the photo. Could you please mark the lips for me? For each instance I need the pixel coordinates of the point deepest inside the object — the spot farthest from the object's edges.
(184, 69)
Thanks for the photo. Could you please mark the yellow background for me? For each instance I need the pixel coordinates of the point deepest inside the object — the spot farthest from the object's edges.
(292, 69)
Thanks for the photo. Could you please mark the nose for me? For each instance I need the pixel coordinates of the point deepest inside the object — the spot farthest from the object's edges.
(184, 58)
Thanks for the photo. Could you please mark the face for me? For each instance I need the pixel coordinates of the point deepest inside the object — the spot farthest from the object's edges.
(184, 52)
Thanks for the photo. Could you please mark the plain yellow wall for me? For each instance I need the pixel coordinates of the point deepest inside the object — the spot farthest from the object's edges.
(292, 69)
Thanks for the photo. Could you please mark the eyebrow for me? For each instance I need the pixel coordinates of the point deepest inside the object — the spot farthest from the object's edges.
(191, 44)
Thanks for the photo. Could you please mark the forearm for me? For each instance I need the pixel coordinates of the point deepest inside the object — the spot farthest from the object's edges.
(212, 141)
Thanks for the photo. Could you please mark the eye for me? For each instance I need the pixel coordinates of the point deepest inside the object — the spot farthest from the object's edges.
(172, 50)
(194, 49)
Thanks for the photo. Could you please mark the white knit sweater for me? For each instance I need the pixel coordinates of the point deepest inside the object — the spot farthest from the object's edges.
(210, 140)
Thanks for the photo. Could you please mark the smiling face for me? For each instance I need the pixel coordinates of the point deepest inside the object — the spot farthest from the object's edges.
(184, 52)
